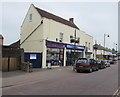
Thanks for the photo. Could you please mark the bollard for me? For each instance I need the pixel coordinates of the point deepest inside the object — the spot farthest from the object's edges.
(30, 67)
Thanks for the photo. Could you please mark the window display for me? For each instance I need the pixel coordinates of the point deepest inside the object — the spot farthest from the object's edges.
(55, 56)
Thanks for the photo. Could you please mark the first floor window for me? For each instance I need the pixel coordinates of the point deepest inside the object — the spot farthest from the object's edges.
(30, 17)
(89, 46)
(61, 37)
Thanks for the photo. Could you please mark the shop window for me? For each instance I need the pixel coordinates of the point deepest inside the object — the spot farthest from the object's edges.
(55, 56)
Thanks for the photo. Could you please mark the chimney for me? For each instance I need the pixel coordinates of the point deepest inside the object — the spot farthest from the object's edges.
(1, 39)
(71, 20)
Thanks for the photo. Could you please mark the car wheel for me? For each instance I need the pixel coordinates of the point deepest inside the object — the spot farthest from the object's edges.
(97, 69)
(90, 70)
(78, 71)
(105, 66)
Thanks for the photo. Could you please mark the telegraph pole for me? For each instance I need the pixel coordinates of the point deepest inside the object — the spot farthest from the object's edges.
(74, 44)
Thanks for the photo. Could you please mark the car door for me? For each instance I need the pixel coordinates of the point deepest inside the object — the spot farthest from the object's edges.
(96, 65)
(91, 63)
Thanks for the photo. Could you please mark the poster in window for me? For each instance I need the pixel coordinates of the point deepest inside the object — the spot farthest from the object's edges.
(33, 56)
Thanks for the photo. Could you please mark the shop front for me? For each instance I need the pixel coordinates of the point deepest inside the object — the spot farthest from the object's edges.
(73, 53)
(60, 54)
(55, 53)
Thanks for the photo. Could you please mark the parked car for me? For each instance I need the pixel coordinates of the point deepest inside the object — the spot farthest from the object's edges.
(107, 63)
(111, 62)
(85, 64)
(101, 64)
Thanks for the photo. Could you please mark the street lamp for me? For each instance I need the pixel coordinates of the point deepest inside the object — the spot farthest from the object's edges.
(104, 39)
(116, 47)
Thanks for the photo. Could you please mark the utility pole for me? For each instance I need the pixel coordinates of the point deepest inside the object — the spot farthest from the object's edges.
(74, 40)
(74, 44)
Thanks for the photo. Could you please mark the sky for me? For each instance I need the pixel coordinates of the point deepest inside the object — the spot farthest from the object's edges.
(95, 18)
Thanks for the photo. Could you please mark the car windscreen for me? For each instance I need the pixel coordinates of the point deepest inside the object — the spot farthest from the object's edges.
(82, 61)
(104, 60)
(98, 61)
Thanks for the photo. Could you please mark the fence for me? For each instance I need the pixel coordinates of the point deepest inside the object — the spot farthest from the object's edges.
(9, 64)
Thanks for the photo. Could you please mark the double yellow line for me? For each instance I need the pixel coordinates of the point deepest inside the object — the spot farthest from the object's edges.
(117, 93)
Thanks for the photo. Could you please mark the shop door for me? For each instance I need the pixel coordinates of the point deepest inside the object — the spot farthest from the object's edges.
(69, 61)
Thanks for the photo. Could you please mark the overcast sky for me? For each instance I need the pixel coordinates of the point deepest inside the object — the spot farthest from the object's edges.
(95, 18)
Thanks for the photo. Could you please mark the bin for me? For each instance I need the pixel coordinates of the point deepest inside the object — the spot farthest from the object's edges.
(49, 65)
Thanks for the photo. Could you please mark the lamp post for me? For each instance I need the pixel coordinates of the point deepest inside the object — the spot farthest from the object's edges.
(116, 48)
(104, 41)
(74, 44)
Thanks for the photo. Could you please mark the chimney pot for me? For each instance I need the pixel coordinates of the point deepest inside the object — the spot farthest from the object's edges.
(1, 39)
(71, 20)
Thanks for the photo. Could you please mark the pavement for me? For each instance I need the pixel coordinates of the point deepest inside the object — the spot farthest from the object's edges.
(18, 77)
(61, 81)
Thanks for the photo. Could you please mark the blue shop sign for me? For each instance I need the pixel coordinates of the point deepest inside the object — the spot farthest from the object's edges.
(75, 47)
(70, 46)
(80, 47)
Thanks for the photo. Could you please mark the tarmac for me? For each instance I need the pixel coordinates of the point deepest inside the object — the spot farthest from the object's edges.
(61, 81)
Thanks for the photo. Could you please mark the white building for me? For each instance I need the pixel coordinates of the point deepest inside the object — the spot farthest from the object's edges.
(101, 52)
(48, 38)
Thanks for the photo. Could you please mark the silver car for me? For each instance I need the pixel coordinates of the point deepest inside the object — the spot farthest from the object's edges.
(107, 63)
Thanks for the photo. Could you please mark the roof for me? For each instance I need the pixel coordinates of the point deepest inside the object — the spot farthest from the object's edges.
(56, 18)
(15, 44)
(99, 47)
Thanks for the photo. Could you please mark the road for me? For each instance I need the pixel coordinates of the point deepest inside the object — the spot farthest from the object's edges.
(63, 81)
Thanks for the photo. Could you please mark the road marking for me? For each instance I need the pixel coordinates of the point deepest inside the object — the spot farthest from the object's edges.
(117, 93)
